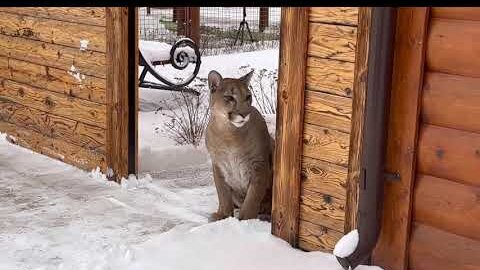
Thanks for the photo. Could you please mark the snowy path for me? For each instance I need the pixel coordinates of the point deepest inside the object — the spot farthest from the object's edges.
(54, 214)
(57, 217)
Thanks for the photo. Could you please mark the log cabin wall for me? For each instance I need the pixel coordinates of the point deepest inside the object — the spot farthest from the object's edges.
(52, 92)
(64, 88)
(431, 214)
(329, 90)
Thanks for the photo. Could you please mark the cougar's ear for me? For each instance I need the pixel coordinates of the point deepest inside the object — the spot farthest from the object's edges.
(247, 77)
(214, 81)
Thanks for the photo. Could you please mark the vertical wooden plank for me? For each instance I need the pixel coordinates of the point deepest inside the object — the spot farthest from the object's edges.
(411, 32)
(289, 132)
(117, 91)
(358, 116)
(133, 91)
(263, 19)
(194, 24)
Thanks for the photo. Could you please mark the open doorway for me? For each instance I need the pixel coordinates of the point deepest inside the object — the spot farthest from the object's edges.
(171, 124)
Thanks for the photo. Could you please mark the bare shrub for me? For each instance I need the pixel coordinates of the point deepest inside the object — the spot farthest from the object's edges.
(264, 90)
(188, 117)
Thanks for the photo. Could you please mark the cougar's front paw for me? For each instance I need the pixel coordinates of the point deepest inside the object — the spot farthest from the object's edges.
(216, 216)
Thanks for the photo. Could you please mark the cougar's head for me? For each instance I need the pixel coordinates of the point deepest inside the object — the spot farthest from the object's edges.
(231, 98)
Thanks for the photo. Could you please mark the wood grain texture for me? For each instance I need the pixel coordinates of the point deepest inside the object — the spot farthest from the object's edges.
(314, 237)
(328, 110)
(52, 126)
(290, 106)
(57, 80)
(452, 46)
(449, 153)
(51, 55)
(357, 117)
(58, 104)
(391, 250)
(448, 206)
(55, 148)
(84, 15)
(326, 144)
(322, 209)
(4, 70)
(332, 41)
(323, 177)
(433, 249)
(456, 13)
(117, 91)
(334, 15)
(330, 76)
(52, 31)
(451, 101)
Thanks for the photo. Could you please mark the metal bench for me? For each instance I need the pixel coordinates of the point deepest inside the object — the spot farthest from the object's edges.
(183, 53)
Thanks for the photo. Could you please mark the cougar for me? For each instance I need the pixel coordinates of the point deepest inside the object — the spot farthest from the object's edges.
(240, 148)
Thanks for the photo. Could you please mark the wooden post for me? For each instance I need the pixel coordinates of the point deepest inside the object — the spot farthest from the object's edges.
(358, 114)
(263, 19)
(121, 64)
(193, 20)
(409, 49)
(148, 10)
(289, 133)
(180, 15)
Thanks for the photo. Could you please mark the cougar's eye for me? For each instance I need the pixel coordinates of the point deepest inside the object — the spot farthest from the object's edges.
(228, 98)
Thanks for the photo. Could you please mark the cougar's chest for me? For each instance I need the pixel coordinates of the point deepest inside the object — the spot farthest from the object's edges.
(235, 167)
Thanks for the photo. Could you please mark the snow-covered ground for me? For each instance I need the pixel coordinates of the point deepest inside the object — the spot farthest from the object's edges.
(57, 217)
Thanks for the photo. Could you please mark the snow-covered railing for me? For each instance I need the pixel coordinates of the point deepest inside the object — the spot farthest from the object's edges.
(183, 53)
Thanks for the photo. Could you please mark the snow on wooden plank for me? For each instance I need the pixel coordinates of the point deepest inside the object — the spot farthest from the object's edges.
(51, 55)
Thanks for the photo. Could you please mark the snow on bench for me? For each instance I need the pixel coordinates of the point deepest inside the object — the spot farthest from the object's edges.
(154, 51)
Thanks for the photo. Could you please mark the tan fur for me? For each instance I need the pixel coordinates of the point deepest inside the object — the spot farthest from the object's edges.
(240, 147)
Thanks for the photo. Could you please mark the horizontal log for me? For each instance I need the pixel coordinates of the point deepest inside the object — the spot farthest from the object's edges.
(323, 177)
(83, 15)
(51, 55)
(52, 126)
(72, 108)
(314, 237)
(53, 31)
(456, 13)
(322, 209)
(325, 144)
(447, 205)
(449, 153)
(433, 249)
(328, 110)
(334, 15)
(332, 41)
(453, 47)
(330, 76)
(451, 101)
(57, 80)
(55, 148)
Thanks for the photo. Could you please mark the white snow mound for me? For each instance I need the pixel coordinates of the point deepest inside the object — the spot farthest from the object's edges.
(228, 244)
(346, 245)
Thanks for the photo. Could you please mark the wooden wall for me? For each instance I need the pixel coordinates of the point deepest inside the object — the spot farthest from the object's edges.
(327, 126)
(434, 143)
(58, 98)
(42, 105)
